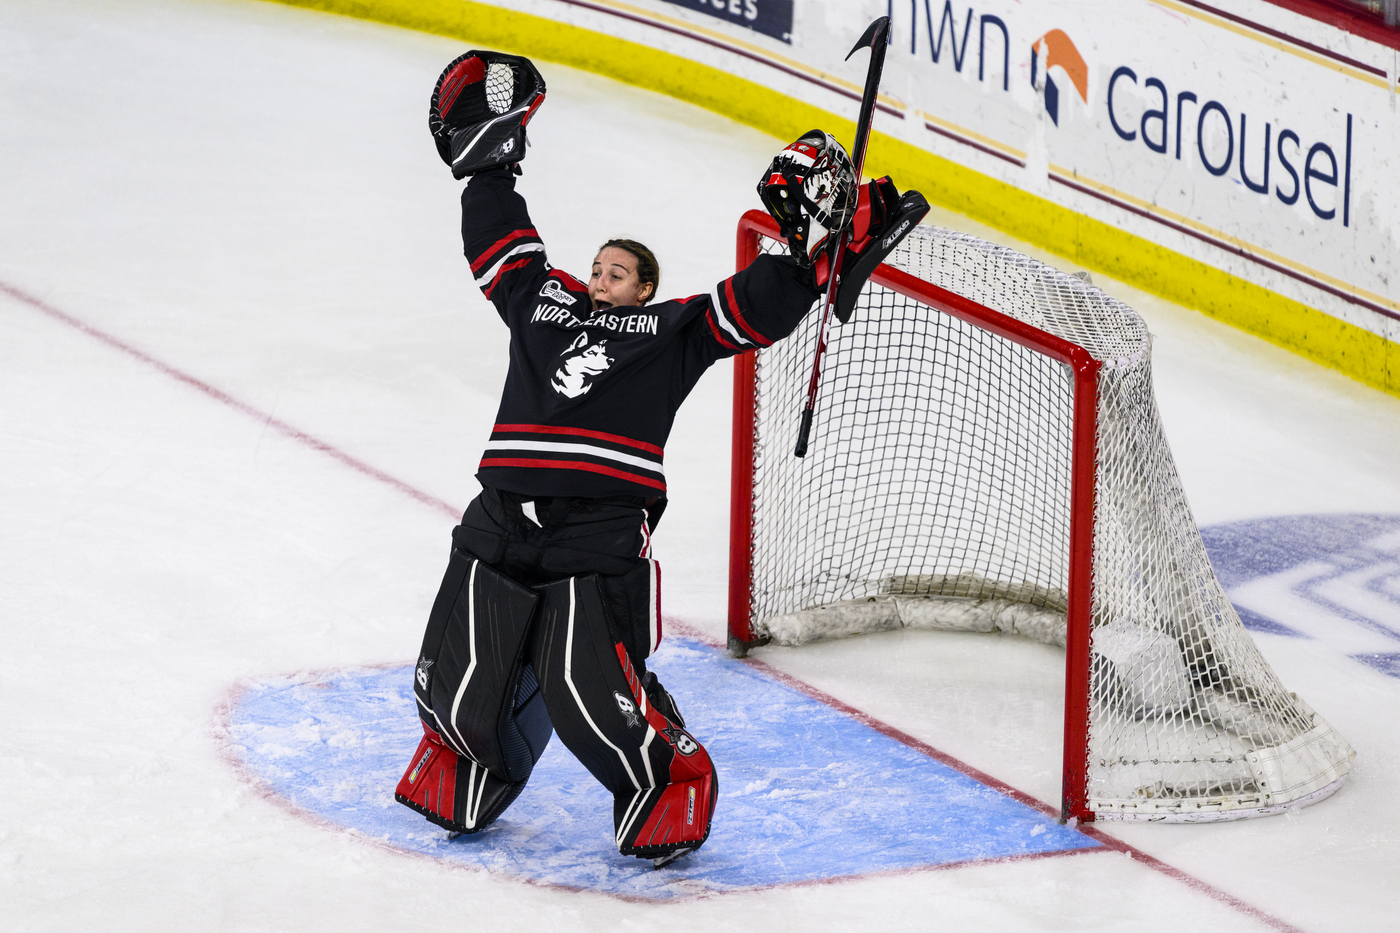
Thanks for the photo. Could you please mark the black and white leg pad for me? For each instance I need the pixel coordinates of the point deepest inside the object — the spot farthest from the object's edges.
(451, 790)
(610, 717)
(478, 696)
(474, 685)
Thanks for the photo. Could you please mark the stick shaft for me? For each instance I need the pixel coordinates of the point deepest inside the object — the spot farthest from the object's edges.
(876, 37)
(804, 430)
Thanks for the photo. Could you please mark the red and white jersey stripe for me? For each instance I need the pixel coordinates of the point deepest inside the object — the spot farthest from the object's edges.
(559, 447)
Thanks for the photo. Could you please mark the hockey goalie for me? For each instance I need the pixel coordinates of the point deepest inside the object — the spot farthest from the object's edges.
(550, 605)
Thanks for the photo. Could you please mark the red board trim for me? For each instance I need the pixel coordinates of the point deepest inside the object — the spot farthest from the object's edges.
(1343, 16)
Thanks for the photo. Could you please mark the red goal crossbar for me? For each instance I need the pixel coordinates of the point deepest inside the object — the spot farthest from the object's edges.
(755, 226)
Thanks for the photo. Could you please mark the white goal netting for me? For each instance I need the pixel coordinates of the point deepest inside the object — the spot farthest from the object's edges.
(937, 494)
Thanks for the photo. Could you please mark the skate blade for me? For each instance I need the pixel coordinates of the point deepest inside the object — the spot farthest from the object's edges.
(670, 857)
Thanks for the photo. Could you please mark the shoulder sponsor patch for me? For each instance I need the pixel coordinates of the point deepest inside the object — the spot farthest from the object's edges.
(553, 290)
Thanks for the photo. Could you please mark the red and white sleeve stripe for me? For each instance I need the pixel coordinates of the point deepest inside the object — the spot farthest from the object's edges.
(728, 316)
(511, 251)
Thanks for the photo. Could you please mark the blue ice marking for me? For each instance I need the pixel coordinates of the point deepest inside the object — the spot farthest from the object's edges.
(1385, 663)
(805, 792)
(1347, 578)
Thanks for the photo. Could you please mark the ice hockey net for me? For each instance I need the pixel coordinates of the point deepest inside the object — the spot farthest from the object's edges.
(987, 456)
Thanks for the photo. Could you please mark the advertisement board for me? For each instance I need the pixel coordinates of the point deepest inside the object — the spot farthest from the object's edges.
(1276, 152)
(1239, 161)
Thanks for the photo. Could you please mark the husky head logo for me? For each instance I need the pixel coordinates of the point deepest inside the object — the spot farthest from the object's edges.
(582, 363)
(628, 709)
(682, 741)
(552, 289)
(422, 674)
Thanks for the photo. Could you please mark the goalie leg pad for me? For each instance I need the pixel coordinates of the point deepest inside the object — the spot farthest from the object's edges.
(454, 792)
(664, 822)
(661, 778)
(472, 680)
(670, 820)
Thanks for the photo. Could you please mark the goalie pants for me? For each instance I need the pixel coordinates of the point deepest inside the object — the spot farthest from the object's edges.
(545, 617)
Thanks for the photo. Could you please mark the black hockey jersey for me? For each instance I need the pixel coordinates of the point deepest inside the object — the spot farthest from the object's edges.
(590, 396)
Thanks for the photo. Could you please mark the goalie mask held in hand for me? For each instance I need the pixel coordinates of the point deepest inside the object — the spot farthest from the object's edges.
(480, 107)
(810, 189)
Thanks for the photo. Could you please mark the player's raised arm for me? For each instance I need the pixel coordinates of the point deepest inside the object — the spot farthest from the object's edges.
(499, 239)
(480, 107)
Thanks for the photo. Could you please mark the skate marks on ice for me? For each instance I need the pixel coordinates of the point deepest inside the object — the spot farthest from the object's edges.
(807, 793)
(1333, 578)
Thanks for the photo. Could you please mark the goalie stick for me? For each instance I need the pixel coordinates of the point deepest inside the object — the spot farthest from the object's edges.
(876, 37)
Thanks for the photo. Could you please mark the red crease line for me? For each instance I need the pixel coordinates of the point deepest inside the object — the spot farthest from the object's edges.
(982, 777)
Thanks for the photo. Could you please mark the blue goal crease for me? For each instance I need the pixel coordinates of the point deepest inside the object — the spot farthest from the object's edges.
(807, 793)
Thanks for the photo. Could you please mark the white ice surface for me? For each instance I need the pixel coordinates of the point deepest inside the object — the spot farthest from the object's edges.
(247, 193)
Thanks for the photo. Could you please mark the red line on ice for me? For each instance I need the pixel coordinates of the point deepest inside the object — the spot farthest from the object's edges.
(218, 395)
(982, 777)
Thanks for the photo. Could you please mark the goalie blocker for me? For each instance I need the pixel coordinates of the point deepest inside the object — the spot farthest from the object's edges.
(883, 218)
(504, 664)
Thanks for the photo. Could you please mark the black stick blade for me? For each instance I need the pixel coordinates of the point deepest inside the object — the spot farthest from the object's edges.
(876, 33)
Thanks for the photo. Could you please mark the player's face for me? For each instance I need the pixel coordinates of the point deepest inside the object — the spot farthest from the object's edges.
(614, 282)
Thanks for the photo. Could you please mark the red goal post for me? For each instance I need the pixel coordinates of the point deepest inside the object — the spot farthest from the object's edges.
(1174, 716)
(755, 225)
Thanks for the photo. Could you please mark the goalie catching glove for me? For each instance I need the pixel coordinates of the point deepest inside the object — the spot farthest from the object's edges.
(810, 191)
(480, 106)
